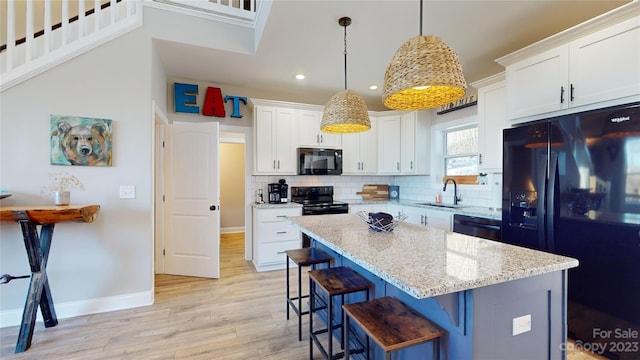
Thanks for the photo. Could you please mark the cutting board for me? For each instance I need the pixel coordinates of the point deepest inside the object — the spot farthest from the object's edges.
(374, 192)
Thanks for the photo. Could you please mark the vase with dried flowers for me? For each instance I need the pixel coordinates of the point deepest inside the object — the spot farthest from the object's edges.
(60, 187)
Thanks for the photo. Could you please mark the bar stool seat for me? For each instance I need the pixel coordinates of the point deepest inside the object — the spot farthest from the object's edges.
(302, 258)
(334, 281)
(392, 325)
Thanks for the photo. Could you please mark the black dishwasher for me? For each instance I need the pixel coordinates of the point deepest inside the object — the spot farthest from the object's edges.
(477, 226)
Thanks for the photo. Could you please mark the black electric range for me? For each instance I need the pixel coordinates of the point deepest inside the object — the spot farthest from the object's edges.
(317, 200)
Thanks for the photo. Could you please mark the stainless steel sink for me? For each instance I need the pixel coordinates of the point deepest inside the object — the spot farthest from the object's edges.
(441, 205)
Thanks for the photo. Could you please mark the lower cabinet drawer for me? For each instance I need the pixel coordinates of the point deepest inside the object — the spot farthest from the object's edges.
(272, 253)
(277, 231)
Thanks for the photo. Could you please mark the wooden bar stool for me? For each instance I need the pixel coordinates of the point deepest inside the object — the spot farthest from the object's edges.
(334, 281)
(303, 257)
(391, 324)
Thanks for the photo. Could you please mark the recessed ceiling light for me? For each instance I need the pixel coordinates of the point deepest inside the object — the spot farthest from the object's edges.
(373, 87)
(300, 76)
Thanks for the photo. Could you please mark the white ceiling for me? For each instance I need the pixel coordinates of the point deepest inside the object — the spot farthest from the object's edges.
(303, 36)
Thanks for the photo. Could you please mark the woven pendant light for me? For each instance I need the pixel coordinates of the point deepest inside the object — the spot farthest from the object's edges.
(346, 111)
(424, 73)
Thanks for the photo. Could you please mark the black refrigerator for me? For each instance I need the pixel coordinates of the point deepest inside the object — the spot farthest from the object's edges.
(571, 186)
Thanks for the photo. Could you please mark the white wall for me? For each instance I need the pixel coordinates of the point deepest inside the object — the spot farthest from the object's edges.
(110, 258)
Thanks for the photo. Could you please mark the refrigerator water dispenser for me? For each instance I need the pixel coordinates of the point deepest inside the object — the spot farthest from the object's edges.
(524, 209)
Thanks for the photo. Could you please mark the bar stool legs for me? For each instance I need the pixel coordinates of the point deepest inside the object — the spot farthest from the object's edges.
(303, 257)
(332, 282)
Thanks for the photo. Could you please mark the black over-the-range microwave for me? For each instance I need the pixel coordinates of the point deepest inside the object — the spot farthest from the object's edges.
(314, 161)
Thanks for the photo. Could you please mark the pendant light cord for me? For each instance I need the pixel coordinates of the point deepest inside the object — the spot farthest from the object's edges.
(345, 56)
(420, 18)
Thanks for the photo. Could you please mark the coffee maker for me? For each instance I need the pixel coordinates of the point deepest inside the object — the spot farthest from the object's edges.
(278, 193)
(284, 191)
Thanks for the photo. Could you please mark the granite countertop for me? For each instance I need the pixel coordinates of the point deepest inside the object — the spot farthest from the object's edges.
(276, 206)
(426, 262)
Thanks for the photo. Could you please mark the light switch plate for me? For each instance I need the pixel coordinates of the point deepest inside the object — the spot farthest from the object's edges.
(127, 192)
(521, 324)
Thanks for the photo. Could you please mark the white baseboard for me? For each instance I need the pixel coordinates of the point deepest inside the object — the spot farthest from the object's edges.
(70, 309)
(230, 230)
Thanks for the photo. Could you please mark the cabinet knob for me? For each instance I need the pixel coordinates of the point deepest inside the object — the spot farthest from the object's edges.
(214, 207)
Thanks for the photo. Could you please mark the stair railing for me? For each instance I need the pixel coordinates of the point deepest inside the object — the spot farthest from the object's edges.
(66, 28)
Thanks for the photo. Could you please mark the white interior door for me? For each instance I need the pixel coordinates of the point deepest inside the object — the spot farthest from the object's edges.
(192, 200)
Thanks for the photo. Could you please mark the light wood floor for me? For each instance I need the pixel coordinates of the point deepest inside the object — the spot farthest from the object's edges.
(239, 316)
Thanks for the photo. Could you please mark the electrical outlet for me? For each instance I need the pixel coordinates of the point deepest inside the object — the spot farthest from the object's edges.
(127, 192)
(521, 324)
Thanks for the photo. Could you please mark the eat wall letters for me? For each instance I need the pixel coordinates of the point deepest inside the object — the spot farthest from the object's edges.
(184, 98)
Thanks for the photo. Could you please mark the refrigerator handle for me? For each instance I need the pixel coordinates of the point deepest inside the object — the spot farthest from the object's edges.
(541, 181)
(550, 203)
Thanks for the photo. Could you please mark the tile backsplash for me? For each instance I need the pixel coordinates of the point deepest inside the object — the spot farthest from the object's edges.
(421, 188)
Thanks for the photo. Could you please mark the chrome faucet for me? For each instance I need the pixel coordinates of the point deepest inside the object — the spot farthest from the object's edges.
(455, 190)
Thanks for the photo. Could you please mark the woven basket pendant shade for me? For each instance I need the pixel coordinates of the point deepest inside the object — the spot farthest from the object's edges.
(346, 111)
(424, 73)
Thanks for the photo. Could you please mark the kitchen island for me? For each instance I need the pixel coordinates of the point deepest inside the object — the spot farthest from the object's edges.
(495, 301)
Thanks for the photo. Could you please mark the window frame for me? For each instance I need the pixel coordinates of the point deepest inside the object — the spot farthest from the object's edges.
(460, 179)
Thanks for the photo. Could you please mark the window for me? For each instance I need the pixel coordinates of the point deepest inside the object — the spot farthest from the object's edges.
(461, 151)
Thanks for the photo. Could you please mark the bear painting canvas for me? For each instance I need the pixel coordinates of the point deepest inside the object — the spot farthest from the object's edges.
(80, 141)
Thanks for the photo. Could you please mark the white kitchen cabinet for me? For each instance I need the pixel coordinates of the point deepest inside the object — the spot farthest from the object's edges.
(360, 151)
(492, 119)
(310, 134)
(389, 140)
(272, 236)
(539, 84)
(403, 144)
(430, 218)
(606, 65)
(414, 143)
(595, 68)
(275, 139)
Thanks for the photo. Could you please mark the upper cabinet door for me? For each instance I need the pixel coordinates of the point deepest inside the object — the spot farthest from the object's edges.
(389, 140)
(408, 151)
(264, 137)
(492, 119)
(285, 141)
(310, 134)
(275, 139)
(538, 84)
(595, 68)
(360, 152)
(369, 149)
(606, 65)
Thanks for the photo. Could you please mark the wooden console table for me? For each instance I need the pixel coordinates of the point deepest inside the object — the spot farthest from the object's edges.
(37, 247)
